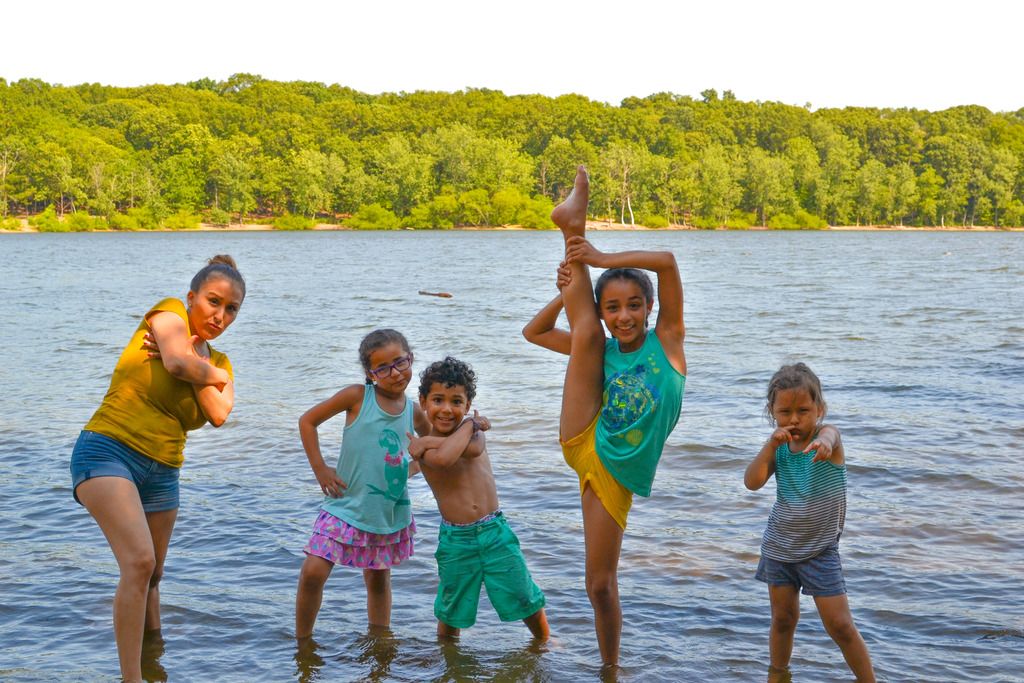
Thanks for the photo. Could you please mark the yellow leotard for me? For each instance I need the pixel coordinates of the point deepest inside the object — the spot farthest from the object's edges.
(580, 453)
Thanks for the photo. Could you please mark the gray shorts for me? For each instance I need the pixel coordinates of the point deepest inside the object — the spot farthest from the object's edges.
(821, 575)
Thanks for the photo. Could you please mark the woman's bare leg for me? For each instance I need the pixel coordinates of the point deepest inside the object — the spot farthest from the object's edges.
(161, 525)
(603, 538)
(584, 376)
(115, 505)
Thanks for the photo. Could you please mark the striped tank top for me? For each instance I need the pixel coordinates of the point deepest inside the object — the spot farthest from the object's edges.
(810, 507)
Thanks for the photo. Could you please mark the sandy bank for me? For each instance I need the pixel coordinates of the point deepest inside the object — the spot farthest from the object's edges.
(591, 225)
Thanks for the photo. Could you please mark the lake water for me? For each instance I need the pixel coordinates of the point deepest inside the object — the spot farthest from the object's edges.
(918, 339)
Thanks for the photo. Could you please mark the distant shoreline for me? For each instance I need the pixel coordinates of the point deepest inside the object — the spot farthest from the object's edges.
(596, 226)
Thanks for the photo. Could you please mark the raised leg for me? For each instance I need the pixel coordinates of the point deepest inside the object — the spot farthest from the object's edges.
(115, 505)
(603, 539)
(584, 376)
(835, 616)
(310, 594)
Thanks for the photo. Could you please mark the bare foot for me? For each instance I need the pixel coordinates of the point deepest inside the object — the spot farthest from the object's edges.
(571, 215)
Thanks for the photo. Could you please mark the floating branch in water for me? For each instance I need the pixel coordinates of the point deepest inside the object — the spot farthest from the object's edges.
(443, 295)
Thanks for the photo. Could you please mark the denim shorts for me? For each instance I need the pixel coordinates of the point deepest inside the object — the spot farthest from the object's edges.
(821, 575)
(96, 455)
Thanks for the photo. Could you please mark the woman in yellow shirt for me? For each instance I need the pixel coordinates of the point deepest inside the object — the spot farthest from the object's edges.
(125, 464)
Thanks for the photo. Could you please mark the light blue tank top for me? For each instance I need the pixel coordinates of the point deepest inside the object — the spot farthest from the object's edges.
(643, 394)
(374, 463)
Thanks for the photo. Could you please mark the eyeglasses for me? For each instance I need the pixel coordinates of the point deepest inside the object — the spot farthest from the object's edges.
(402, 364)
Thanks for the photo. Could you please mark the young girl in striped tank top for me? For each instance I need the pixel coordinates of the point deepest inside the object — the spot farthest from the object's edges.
(800, 548)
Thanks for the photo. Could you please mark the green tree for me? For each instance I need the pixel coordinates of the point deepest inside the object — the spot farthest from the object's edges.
(929, 189)
(1001, 185)
(183, 180)
(52, 175)
(718, 188)
(625, 166)
(872, 195)
(902, 192)
(769, 185)
(475, 208)
(11, 153)
(309, 182)
(249, 144)
(807, 170)
(440, 212)
(406, 176)
(232, 174)
(835, 190)
(373, 217)
(556, 167)
(950, 156)
(466, 161)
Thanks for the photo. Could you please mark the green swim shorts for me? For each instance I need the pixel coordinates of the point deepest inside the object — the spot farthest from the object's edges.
(484, 553)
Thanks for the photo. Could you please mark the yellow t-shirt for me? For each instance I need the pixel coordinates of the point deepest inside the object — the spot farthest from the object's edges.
(145, 407)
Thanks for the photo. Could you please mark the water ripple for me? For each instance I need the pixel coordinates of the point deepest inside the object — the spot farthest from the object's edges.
(925, 382)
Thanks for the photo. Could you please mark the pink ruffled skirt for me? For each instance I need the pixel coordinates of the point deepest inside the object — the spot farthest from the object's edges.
(343, 544)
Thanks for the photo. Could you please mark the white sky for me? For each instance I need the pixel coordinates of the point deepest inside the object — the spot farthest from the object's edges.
(829, 53)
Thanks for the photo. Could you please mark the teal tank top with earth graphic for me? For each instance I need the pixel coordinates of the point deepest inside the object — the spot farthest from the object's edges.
(643, 394)
(374, 463)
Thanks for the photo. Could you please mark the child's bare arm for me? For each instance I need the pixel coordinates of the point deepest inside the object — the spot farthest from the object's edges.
(418, 445)
(541, 329)
(828, 445)
(762, 467)
(343, 401)
(669, 327)
(466, 441)
(414, 468)
(419, 420)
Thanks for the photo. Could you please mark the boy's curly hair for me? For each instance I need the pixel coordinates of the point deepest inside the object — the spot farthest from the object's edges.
(449, 372)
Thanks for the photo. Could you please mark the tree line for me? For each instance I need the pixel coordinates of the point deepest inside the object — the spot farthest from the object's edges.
(248, 148)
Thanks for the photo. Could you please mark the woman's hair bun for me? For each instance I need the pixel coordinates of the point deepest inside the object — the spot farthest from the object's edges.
(223, 258)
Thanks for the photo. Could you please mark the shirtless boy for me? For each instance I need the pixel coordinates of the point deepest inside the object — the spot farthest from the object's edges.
(476, 545)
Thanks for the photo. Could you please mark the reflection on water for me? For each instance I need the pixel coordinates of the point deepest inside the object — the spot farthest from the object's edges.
(520, 664)
(153, 647)
(372, 654)
(922, 359)
(375, 651)
(308, 661)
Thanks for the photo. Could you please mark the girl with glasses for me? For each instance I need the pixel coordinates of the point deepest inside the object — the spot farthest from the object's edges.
(365, 520)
